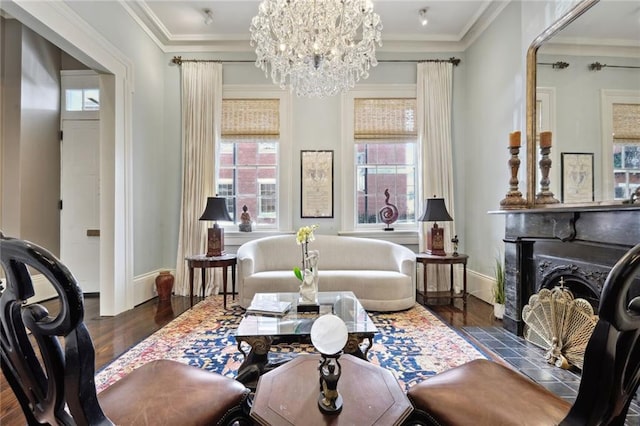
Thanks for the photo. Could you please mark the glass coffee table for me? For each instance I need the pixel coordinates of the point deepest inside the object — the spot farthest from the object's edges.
(257, 333)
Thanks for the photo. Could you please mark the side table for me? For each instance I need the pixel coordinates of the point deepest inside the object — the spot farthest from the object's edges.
(448, 259)
(288, 395)
(203, 262)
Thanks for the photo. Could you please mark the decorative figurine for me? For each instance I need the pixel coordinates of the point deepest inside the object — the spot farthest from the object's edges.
(309, 285)
(329, 336)
(245, 220)
(455, 242)
(330, 400)
(389, 213)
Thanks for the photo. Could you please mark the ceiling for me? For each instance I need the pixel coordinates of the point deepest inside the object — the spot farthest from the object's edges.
(178, 25)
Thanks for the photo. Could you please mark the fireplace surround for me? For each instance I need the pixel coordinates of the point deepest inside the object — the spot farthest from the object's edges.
(575, 244)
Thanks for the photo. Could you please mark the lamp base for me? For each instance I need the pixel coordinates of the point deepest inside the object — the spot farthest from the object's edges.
(435, 241)
(215, 241)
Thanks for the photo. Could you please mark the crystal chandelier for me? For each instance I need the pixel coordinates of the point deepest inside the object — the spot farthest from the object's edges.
(318, 47)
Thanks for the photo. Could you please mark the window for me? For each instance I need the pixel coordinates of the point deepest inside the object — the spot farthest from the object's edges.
(79, 95)
(383, 139)
(249, 158)
(267, 199)
(82, 99)
(626, 149)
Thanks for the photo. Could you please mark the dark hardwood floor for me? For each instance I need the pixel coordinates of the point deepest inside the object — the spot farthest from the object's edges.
(114, 335)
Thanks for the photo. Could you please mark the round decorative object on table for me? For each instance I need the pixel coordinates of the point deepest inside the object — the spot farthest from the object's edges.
(164, 285)
(329, 334)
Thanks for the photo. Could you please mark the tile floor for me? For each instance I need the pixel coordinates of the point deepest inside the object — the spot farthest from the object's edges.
(528, 358)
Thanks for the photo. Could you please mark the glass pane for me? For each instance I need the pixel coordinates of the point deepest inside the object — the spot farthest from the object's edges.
(252, 167)
(632, 157)
(620, 192)
(73, 100)
(383, 167)
(617, 156)
(91, 100)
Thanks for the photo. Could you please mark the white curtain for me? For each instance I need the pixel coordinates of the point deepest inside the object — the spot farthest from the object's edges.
(201, 116)
(434, 98)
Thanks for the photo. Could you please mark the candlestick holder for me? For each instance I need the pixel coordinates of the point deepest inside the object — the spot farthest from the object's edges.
(513, 199)
(545, 196)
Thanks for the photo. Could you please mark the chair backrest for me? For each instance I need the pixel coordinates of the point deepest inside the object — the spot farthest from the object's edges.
(63, 374)
(611, 369)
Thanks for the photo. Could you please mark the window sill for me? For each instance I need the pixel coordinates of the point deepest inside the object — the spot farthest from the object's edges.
(403, 237)
(237, 238)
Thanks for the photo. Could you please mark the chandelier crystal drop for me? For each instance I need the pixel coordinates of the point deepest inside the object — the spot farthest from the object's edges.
(317, 47)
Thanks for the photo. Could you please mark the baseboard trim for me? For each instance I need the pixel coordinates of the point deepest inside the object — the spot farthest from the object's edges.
(480, 285)
(144, 286)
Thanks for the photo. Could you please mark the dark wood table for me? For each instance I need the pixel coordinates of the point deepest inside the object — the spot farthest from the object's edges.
(203, 262)
(447, 259)
(288, 395)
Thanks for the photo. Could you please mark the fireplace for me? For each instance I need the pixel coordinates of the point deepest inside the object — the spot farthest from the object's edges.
(575, 245)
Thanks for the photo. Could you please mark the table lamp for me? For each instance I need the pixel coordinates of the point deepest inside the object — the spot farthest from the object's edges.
(329, 334)
(435, 211)
(215, 210)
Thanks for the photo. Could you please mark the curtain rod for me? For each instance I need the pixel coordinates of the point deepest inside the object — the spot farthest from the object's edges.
(560, 65)
(597, 66)
(178, 60)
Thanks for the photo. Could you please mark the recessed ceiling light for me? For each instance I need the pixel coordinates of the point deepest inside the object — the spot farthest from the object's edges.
(423, 17)
(208, 16)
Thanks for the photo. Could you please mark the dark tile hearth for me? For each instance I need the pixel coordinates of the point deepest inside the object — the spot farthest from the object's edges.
(529, 360)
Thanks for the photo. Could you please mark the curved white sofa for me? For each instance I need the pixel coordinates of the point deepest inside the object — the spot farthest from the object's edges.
(381, 274)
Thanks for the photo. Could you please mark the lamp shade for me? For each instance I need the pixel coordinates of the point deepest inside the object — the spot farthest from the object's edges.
(435, 211)
(216, 209)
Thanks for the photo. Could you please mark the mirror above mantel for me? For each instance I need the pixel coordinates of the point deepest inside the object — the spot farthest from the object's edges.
(583, 86)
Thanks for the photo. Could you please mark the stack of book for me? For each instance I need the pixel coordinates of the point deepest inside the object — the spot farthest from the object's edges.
(268, 307)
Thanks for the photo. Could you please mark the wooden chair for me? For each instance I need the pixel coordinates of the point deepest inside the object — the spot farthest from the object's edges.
(52, 371)
(482, 392)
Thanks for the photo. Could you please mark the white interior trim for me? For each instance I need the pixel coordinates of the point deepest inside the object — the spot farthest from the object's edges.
(285, 144)
(348, 201)
(547, 98)
(59, 24)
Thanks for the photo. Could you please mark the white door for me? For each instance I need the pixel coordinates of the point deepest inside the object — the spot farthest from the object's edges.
(80, 194)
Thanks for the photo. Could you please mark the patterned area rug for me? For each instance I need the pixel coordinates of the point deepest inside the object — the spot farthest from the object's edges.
(413, 344)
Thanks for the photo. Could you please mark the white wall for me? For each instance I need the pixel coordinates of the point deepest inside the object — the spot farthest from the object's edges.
(30, 142)
(495, 107)
(316, 122)
(151, 168)
(489, 102)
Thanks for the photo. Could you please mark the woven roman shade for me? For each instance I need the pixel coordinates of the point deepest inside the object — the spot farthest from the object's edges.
(244, 118)
(626, 122)
(384, 120)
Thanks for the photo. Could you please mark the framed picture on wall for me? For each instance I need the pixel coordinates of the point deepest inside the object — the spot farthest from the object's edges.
(316, 184)
(577, 177)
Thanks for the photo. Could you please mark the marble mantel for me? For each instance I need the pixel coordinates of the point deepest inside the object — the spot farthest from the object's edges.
(578, 244)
